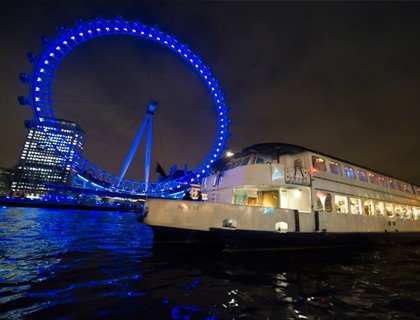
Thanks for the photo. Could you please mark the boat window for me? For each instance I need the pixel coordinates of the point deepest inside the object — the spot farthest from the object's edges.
(245, 196)
(270, 198)
(417, 190)
(235, 164)
(259, 160)
(382, 182)
(372, 178)
(251, 201)
(379, 208)
(239, 198)
(296, 199)
(368, 207)
(355, 206)
(389, 209)
(245, 161)
(400, 186)
(349, 172)
(341, 204)
(416, 213)
(409, 214)
(362, 175)
(318, 163)
(392, 184)
(405, 212)
(323, 201)
(335, 167)
(398, 210)
(407, 188)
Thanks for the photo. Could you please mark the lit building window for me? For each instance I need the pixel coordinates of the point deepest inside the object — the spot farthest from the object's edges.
(40, 163)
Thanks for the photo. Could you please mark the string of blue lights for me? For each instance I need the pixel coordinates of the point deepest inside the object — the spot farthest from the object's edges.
(41, 79)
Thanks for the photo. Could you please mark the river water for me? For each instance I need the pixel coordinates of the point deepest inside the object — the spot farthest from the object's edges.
(66, 264)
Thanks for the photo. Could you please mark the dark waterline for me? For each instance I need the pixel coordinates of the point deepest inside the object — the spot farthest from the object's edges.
(86, 264)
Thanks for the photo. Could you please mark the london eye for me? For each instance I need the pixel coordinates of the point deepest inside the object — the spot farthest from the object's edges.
(40, 82)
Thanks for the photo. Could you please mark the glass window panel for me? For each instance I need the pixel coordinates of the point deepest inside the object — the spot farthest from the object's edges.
(416, 213)
(341, 204)
(245, 161)
(373, 179)
(355, 206)
(349, 172)
(335, 168)
(318, 163)
(362, 175)
(379, 208)
(259, 160)
(323, 201)
(389, 209)
(368, 207)
(383, 182)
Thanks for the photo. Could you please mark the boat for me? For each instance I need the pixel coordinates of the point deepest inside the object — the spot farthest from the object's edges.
(277, 194)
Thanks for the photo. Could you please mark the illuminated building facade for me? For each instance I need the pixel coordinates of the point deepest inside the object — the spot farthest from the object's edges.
(40, 164)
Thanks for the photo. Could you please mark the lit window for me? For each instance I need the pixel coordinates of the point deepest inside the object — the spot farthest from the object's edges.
(349, 172)
(373, 179)
(341, 204)
(379, 208)
(355, 206)
(323, 201)
(318, 163)
(335, 167)
(368, 207)
(382, 182)
(362, 175)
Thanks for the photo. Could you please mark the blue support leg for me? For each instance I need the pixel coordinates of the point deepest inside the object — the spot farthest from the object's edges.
(133, 148)
(148, 155)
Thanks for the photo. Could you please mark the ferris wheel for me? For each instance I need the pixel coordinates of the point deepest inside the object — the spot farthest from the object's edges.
(41, 78)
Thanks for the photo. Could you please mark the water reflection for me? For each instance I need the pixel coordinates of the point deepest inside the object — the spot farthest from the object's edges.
(73, 265)
(52, 257)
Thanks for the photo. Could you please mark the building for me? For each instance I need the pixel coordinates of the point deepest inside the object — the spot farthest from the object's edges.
(5, 181)
(41, 163)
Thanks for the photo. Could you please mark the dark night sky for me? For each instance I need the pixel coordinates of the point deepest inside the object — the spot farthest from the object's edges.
(339, 77)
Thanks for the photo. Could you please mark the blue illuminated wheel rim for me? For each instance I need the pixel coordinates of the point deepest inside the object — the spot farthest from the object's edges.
(40, 81)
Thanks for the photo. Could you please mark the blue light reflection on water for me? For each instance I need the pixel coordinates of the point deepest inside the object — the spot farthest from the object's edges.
(78, 264)
(51, 257)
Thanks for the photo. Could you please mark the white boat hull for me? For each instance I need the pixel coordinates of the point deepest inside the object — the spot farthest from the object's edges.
(179, 220)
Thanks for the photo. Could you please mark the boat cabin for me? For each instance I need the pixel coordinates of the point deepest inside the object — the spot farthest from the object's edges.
(286, 176)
